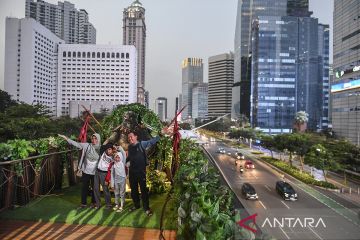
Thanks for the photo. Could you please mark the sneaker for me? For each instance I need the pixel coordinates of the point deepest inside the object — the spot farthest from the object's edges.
(116, 207)
(149, 213)
(120, 209)
(133, 208)
(82, 206)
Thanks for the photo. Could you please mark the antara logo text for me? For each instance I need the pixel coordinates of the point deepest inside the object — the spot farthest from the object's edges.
(290, 222)
(294, 222)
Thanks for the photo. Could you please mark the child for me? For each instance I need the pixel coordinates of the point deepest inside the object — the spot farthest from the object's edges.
(118, 179)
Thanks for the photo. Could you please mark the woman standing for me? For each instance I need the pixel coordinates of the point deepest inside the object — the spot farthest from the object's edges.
(87, 164)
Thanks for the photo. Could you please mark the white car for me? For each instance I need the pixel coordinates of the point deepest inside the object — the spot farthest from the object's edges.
(221, 150)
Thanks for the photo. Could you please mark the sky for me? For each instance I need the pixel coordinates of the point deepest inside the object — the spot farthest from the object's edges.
(176, 30)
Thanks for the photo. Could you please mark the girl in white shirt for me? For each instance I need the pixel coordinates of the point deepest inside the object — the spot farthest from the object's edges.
(118, 180)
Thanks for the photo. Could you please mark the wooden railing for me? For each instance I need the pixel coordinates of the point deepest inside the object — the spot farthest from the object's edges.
(26, 179)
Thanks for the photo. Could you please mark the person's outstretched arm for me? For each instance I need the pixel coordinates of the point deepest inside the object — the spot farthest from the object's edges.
(72, 142)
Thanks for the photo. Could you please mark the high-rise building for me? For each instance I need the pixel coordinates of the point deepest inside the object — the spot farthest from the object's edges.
(134, 33)
(247, 12)
(64, 20)
(192, 73)
(221, 80)
(161, 108)
(345, 88)
(31, 55)
(96, 73)
(147, 99)
(200, 101)
(289, 72)
(324, 67)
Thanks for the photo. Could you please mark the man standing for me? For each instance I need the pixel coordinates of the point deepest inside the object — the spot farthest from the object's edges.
(137, 170)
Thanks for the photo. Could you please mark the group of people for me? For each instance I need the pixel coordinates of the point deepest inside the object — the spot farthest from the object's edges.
(107, 165)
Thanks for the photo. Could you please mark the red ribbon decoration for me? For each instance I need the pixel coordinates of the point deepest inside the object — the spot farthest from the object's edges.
(83, 131)
(176, 143)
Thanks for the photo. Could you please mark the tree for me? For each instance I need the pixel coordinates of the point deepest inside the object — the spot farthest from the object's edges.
(5, 101)
(320, 158)
(24, 121)
(300, 120)
(267, 141)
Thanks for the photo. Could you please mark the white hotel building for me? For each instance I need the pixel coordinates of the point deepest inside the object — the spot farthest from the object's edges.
(96, 73)
(31, 62)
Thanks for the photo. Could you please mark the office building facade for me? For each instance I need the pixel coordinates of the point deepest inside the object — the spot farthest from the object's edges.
(289, 73)
(200, 101)
(31, 55)
(345, 88)
(64, 20)
(192, 73)
(221, 80)
(247, 12)
(134, 33)
(161, 108)
(96, 73)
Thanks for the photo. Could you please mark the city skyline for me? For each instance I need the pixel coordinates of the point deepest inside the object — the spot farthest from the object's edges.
(165, 38)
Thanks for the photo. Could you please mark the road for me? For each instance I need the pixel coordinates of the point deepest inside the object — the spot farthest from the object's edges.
(334, 218)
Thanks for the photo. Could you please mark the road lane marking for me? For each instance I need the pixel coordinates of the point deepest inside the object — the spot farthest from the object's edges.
(268, 188)
(316, 233)
(285, 205)
(285, 233)
(262, 204)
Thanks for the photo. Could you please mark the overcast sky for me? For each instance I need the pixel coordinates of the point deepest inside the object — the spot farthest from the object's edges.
(175, 30)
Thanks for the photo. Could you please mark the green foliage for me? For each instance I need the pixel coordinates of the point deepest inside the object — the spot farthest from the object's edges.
(321, 158)
(23, 121)
(204, 204)
(5, 101)
(293, 171)
(245, 133)
(20, 149)
(156, 180)
(116, 117)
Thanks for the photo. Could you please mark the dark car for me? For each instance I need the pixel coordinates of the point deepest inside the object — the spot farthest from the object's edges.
(239, 155)
(286, 191)
(249, 191)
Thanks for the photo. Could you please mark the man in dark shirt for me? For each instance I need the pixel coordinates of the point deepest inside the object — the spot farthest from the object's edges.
(137, 170)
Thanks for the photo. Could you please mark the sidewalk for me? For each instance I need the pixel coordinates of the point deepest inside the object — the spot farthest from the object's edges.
(38, 230)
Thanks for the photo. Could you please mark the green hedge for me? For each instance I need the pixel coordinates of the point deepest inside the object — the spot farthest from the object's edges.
(293, 171)
(205, 206)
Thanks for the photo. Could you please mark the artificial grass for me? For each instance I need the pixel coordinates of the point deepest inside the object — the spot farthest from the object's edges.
(64, 209)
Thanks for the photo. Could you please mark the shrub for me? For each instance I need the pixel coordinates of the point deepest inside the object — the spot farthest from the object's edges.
(293, 171)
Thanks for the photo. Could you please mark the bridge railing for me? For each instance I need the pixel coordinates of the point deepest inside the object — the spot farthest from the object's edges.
(26, 179)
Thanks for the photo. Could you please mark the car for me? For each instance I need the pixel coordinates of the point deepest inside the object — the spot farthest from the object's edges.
(239, 155)
(286, 191)
(221, 150)
(249, 191)
(249, 164)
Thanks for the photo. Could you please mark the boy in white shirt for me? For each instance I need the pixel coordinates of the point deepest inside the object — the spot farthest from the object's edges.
(118, 179)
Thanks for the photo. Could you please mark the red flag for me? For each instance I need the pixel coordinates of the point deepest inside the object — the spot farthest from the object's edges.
(83, 131)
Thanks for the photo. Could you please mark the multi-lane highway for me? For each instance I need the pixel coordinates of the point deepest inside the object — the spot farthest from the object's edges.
(315, 215)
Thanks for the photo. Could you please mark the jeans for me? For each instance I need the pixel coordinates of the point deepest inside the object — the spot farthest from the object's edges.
(100, 180)
(119, 190)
